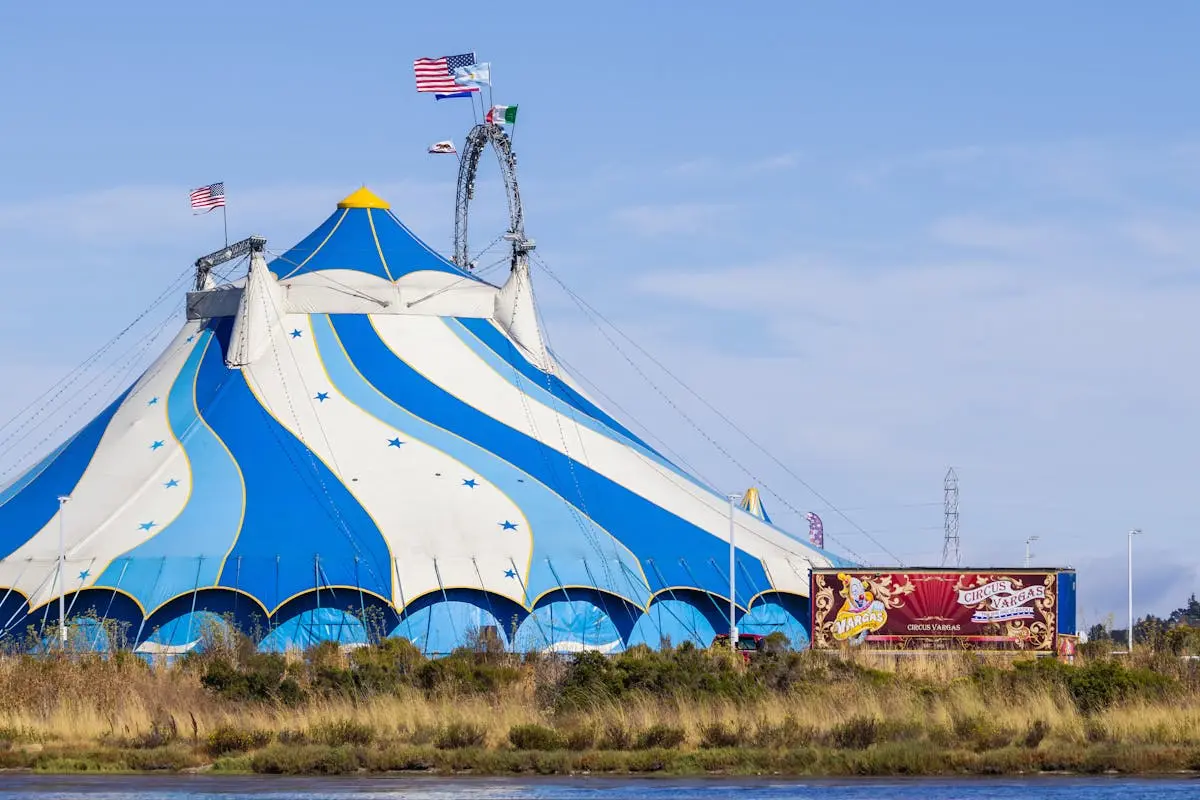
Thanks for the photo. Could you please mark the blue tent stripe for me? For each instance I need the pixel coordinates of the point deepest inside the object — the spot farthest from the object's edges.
(296, 508)
(27, 511)
(205, 530)
(487, 332)
(559, 531)
(645, 528)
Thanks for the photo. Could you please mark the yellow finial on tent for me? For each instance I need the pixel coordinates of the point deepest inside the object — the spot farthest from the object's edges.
(363, 198)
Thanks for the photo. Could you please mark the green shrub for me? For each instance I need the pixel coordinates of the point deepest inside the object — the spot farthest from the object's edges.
(535, 737)
(343, 731)
(980, 732)
(158, 759)
(261, 677)
(722, 734)
(660, 737)
(581, 738)
(307, 760)
(468, 672)
(787, 735)
(458, 735)
(1093, 687)
(594, 679)
(616, 737)
(235, 740)
(856, 733)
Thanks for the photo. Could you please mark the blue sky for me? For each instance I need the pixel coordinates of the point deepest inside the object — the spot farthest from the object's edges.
(883, 239)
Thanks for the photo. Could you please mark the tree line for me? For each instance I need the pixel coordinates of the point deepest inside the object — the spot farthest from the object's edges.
(1178, 632)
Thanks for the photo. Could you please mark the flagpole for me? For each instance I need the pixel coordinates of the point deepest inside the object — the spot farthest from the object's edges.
(225, 222)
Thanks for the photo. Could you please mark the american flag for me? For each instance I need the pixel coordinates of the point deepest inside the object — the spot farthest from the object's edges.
(437, 74)
(209, 197)
(816, 529)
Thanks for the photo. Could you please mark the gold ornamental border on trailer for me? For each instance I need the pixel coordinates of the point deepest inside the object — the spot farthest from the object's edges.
(931, 608)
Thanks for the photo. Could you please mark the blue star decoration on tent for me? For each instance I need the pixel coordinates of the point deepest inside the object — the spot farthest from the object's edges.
(83, 576)
(145, 526)
(508, 526)
(395, 442)
(470, 483)
(295, 334)
(510, 573)
(157, 443)
(322, 396)
(153, 401)
(171, 484)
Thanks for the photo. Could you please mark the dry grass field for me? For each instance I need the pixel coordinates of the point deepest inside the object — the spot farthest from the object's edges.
(385, 707)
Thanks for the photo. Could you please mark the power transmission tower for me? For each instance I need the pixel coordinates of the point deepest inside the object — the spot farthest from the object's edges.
(950, 545)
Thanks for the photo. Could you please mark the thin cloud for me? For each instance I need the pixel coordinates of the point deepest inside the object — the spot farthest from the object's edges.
(668, 219)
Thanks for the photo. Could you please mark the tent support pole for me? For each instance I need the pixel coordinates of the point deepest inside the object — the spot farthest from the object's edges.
(62, 564)
(733, 634)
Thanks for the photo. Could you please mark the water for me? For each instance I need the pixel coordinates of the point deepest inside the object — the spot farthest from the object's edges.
(210, 787)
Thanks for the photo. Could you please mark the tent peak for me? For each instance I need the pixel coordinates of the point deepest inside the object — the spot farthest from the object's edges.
(363, 198)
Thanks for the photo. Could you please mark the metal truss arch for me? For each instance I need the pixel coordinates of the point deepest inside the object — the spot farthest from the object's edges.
(477, 141)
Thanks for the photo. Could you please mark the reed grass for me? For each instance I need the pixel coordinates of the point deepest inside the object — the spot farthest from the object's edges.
(385, 709)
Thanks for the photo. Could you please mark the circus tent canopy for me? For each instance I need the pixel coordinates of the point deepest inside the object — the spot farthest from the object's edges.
(362, 439)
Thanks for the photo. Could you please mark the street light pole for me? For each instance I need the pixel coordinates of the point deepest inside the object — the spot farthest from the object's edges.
(1028, 554)
(733, 633)
(1129, 633)
(62, 565)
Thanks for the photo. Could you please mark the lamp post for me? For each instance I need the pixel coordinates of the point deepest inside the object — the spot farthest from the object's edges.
(1028, 553)
(1129, 633)
(733, 633)
(62, 565)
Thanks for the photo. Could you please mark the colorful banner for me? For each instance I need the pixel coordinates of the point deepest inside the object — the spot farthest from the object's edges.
(934, 609)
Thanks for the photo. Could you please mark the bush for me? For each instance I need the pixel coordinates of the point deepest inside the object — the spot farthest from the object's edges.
(458, 735)
(687, 672)
(1037, 731)
(307, 760)
(344, 731)
(616, 737)
(856, 733)
(660, 737)
(581, 738)
(468, 672)
(788, 735)
(535, 737)
(720, 734)
(980, 731)
(236, 740)
(262, 677)
(1093, 687)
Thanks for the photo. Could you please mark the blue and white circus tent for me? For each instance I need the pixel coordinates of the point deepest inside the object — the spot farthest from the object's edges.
(360, 440)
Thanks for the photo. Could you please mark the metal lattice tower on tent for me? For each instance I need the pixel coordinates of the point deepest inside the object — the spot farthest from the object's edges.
(950, 543)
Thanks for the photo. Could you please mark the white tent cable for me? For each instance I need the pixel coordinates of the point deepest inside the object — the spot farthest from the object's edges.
(122, 367)
(117, 376)
(65, 383)
(595, 315)
(646, 431)
(583, 519)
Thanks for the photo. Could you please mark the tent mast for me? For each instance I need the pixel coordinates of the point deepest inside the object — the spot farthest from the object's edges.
(205, 264)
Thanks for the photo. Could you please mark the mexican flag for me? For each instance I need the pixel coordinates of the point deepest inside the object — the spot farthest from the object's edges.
(502, 115)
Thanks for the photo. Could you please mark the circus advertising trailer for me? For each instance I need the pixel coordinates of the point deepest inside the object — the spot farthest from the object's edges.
(1029, 610)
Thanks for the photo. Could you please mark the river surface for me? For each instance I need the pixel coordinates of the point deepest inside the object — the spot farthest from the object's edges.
(21, 786)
